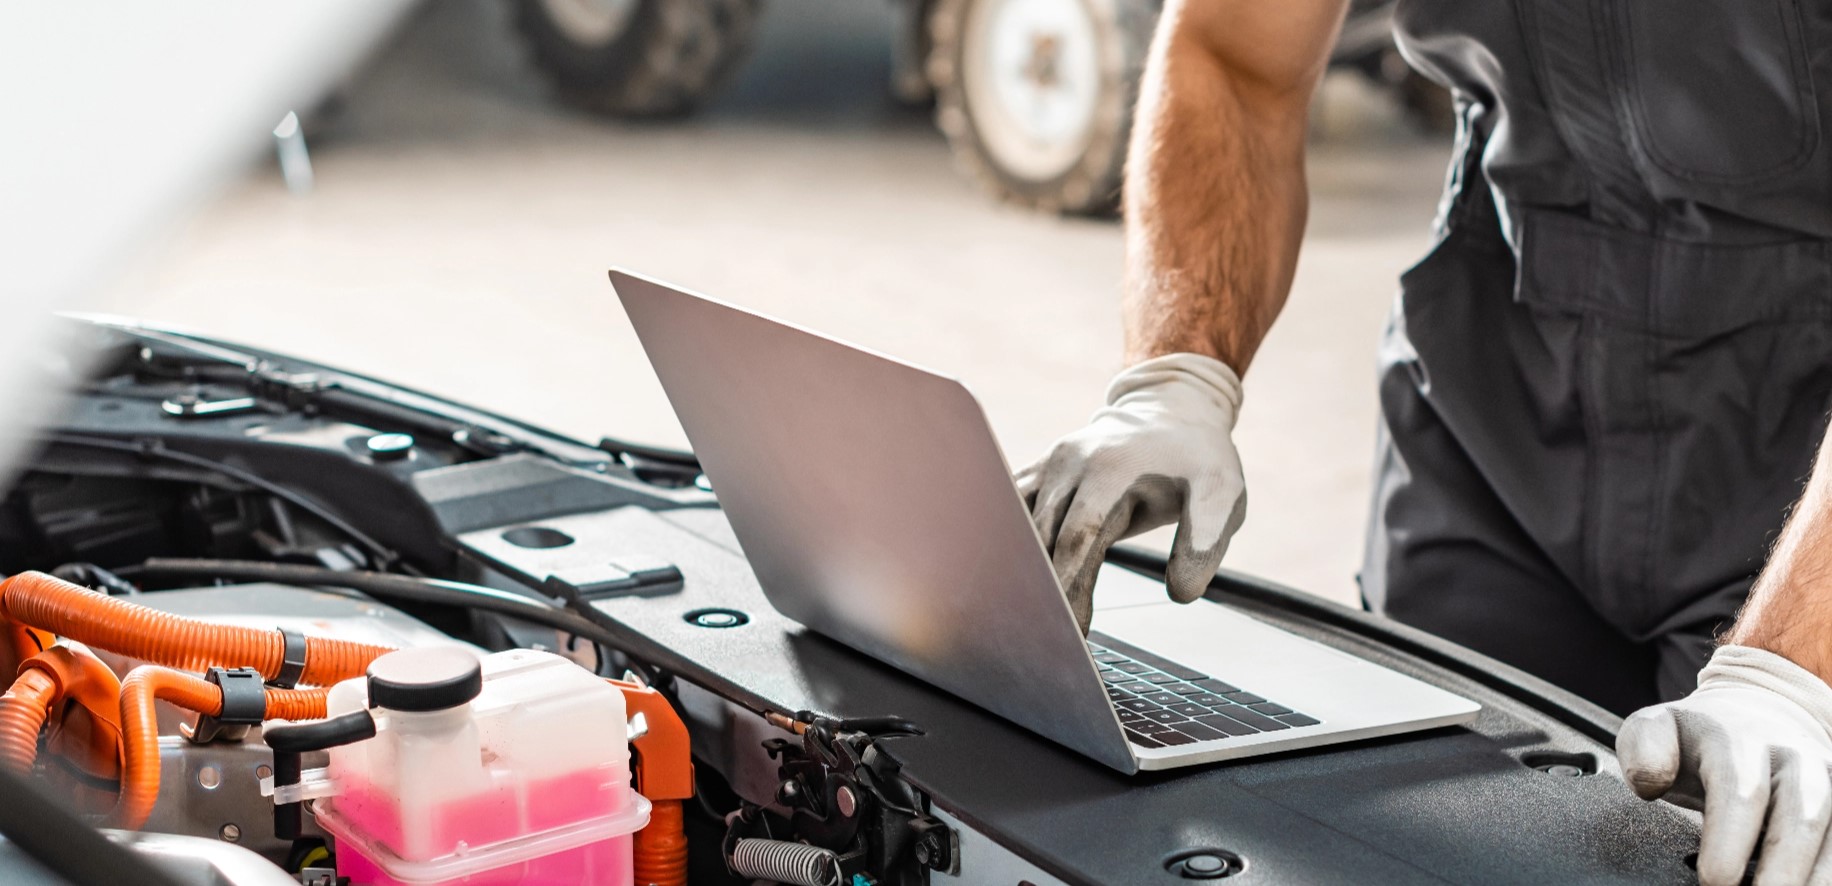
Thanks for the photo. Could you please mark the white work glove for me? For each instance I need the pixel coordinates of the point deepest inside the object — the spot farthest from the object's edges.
(1751, 748)
(1161, 451)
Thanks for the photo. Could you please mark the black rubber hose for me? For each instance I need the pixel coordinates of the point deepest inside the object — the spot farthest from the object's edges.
(319, 734)
(95, 577)
(65, 845)
(289, 744)
(384, 586)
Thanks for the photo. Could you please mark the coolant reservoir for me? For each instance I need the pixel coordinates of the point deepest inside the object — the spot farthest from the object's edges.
(512, 769)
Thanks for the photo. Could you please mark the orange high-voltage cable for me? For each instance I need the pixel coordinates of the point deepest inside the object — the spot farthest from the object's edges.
(663, 770)
(23, 711)
(139, 721)
(88, 732)
(37, 600)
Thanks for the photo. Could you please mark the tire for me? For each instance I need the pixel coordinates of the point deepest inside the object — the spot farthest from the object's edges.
(1070, 157)
(636, 58)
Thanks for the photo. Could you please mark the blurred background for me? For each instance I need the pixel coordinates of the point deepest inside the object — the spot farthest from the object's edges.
(445, 219)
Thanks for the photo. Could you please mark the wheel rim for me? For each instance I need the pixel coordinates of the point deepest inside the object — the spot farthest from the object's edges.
(1032, 77)
(590, 22)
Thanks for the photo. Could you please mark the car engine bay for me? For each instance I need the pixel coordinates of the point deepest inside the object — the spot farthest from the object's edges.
(272, 622)
(242, 610)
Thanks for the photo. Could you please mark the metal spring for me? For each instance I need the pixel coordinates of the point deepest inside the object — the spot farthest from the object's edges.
(797, 864)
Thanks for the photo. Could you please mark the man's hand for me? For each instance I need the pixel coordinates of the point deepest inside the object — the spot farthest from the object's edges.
(1215, 209)
(1162, 451)
(1752, 749)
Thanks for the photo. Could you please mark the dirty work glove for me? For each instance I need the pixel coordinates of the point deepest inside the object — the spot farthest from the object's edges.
(1750, 748)
(1160, 452)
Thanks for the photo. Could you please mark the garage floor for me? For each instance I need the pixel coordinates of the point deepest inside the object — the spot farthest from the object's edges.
(459, 231)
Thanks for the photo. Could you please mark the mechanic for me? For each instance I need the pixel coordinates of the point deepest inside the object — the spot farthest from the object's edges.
(1601, 389)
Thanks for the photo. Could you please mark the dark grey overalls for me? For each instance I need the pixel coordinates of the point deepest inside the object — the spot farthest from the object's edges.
(1604, 386)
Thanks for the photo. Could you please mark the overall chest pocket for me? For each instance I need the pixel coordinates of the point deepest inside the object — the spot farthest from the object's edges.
(1719, 90)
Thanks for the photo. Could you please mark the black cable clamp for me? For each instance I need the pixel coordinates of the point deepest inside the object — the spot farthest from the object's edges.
(292, 661)
(244, 705)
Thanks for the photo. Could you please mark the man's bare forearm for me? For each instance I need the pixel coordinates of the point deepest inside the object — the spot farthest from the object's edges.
(1790, 609)
(1216, 198)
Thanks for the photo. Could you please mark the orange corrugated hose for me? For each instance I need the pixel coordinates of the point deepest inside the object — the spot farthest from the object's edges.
(89, 731)
(52, 604)
(662, 761)
(661, 847)
(33, 604)
(23, 710)
(144, 684)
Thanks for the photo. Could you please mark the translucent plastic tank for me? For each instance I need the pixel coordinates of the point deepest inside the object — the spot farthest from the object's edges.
(526, 782)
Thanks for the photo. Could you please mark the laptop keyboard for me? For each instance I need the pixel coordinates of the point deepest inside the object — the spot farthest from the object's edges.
(1163, 704)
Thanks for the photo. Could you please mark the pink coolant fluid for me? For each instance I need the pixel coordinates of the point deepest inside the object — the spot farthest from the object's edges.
(490, 798)
(604, 862)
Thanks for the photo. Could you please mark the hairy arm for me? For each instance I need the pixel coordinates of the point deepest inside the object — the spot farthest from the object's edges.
(1789, 611)
(1215, 191)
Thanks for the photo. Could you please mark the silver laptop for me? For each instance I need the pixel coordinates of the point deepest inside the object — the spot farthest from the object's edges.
(875, 507)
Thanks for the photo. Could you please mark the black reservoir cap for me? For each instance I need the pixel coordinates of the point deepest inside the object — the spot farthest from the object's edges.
(430, 678)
